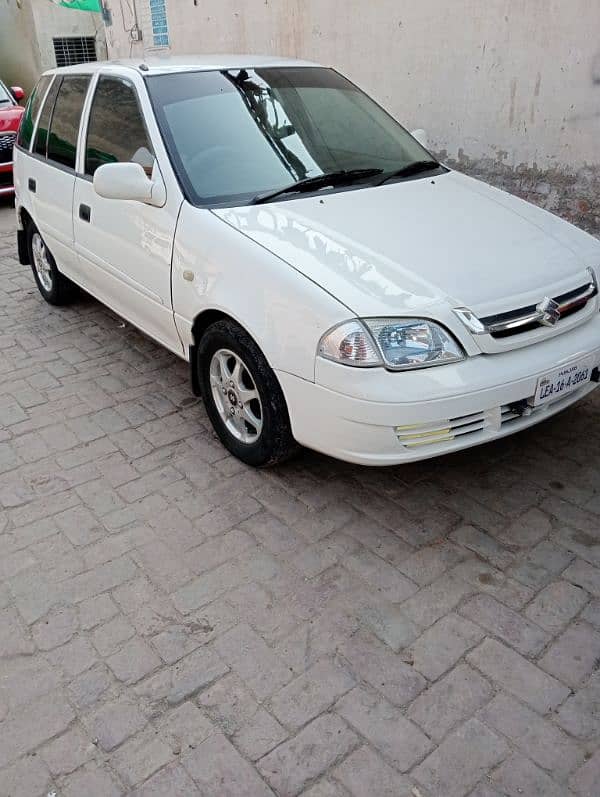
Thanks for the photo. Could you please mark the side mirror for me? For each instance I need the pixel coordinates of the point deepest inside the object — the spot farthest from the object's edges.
(17, 93)
(129, 181)
(421, 137)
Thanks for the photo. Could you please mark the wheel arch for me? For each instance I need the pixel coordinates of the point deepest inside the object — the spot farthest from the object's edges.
(24, 220)
(201, 323)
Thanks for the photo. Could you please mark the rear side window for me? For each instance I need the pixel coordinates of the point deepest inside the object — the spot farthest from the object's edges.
(64, 125)
(41, 137)
(31, 111)
(116, 130)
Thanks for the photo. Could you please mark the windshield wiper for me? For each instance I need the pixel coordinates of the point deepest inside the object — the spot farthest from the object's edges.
(341, 177)
(412, 168)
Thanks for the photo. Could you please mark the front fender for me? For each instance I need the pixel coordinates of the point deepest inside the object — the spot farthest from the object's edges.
(216, 267)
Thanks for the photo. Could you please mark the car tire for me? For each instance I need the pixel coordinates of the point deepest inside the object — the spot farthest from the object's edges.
(55, 287)
(242, 396)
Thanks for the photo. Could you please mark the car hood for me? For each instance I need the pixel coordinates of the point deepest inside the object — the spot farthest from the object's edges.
(10, 118)
(408, 246)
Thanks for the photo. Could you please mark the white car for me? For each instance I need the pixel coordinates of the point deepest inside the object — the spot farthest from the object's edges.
(329, 281)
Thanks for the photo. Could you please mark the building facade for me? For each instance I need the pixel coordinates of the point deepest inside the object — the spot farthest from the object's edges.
(36, 35)
(506, 89)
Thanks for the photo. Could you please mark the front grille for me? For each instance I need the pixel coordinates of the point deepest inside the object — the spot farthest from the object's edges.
(526, 319)
(7, 141)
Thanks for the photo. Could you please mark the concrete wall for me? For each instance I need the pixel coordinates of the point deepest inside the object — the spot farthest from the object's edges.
(18, 64)
(507, 89)
(26, 32)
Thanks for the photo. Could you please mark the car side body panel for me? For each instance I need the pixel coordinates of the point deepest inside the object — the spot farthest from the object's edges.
(125, 248)
(217, 268)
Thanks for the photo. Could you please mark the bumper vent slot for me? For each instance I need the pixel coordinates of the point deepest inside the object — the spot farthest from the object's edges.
(418, 435)
(492, 422)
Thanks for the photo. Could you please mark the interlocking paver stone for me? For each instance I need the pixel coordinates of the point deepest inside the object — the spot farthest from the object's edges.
(453, 698)
(574, 655)
(443, 644)
(383, 669)
(518, 675)
(292, 765)
(364, 772)
(319, 628)
(311, 693)
(585, 781)
(384, 726)
(115, 722)
(505, 623)
(556, 605)
(519, 776)
(537, 738)
(26, 727)
(217, 768)
(461, 760)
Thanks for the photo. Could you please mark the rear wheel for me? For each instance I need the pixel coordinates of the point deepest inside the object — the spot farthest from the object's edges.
(54, 286)
(242, 396)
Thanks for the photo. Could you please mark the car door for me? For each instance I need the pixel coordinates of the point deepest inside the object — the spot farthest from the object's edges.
(49, 173)
(124, 246)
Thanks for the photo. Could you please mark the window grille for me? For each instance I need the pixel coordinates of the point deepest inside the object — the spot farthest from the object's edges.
(70, 50)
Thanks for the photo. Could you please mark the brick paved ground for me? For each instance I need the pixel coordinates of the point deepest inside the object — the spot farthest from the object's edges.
(173, 623)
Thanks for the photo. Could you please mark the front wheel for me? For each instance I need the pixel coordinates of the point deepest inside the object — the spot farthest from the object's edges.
(242, 396)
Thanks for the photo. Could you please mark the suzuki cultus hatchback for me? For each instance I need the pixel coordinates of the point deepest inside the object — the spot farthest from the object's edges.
(329, 281)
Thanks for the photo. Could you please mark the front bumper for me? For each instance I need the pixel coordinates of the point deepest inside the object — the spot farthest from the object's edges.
(376, 417)
(7, 187)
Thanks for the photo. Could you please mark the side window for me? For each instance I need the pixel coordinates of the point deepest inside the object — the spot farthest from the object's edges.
(64, 126)
(116, 130)
(41, 137)
(31, 111)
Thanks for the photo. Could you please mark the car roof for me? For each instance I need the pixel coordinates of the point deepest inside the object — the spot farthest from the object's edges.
(160, 65)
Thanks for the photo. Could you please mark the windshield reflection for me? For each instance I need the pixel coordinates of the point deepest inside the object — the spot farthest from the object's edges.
(235, 134)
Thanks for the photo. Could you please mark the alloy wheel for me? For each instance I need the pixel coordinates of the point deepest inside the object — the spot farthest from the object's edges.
(235, 396)
(42, 266)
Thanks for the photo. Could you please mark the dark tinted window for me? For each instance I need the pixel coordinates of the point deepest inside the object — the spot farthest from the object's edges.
(64, 127)
(116, 130)
(41, 137)
(31, 112)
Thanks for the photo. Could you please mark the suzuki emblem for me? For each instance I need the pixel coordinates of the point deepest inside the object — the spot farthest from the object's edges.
(549, 311)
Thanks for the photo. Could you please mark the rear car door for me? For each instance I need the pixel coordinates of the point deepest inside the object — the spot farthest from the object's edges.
(125, 246)
(49, 172)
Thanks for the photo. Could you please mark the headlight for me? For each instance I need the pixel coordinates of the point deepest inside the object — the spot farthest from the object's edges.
(351, 344)
(397, 343)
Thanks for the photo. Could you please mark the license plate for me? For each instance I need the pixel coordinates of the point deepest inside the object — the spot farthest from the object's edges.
(561, 381)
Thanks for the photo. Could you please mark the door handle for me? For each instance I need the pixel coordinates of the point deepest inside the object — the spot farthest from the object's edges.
(32, 185)
(85, 213)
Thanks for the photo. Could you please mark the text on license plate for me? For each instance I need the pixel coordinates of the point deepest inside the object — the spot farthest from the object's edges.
(561, 381)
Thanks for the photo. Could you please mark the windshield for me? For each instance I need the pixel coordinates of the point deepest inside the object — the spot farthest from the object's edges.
(6, 97)
(237, 134)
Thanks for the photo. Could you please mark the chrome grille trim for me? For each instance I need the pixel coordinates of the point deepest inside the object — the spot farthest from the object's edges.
(531, 317)
(513, 322)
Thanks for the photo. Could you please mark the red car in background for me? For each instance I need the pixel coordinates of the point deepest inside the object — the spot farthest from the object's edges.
(10, 116)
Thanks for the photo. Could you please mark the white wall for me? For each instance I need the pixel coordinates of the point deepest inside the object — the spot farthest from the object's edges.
(516, 80)
(26, 34)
